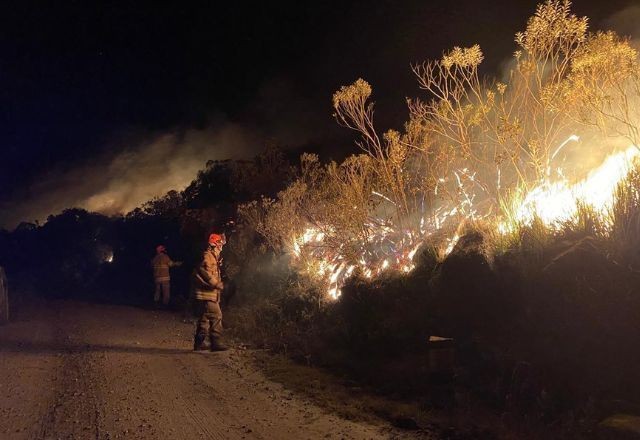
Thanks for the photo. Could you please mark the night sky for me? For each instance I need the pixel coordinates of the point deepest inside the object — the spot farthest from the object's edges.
(82, 82)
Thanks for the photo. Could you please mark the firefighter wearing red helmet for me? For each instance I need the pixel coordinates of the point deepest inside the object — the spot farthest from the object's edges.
(161, 264)
(207, 291)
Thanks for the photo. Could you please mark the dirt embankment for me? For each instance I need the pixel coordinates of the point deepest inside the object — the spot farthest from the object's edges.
(70, 370)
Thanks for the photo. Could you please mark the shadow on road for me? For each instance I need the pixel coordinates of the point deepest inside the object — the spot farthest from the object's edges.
(55, 348)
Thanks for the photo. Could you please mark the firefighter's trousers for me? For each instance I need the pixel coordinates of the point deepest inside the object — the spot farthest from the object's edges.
(162, 287)
(209, 319)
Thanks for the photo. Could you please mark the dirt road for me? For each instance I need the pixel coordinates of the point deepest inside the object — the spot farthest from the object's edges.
(71, 370)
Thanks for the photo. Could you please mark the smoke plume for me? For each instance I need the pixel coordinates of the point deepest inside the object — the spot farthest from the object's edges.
(118, 183)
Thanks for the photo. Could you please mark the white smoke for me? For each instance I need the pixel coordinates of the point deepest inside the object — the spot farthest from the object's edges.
(114, 184)
(625, 22)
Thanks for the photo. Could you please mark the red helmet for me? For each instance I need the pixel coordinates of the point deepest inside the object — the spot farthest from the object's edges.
(217, 239)
(160, 248)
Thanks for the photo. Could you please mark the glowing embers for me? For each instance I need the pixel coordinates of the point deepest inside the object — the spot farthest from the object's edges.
(384, 249)
(386, 245)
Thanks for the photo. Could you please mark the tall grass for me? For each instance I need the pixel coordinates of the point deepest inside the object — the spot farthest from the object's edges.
(624, 216)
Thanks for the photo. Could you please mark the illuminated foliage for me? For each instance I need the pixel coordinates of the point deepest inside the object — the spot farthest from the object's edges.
(473, 149)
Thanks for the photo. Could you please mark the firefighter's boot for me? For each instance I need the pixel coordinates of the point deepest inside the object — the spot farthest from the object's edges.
(198, 342)
(218, 345)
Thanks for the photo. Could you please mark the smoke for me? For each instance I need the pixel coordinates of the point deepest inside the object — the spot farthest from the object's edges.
(625, 22)
(117, 183)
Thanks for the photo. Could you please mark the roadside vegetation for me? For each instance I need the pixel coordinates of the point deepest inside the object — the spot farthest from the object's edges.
(442, 229)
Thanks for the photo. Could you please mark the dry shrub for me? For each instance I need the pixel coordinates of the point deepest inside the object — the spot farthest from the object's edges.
(562, 301)
(468, 149)
(624, 237)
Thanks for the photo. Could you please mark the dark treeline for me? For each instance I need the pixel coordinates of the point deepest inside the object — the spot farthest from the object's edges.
(91, 256)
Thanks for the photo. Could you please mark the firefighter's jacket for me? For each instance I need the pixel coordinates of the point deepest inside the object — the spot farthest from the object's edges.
(161, 264)
(207, 279)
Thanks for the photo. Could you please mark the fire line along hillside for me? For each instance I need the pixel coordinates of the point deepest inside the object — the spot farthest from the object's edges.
(474, 274)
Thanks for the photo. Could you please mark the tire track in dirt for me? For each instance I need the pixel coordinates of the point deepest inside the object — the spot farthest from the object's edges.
(122, 372)
(75, 409)
(196, 408)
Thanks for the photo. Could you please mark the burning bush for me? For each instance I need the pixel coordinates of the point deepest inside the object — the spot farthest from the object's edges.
(487, 218)
(507, 153)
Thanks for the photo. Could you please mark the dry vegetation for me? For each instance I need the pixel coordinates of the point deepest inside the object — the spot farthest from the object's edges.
(473, 149)
(536, 305)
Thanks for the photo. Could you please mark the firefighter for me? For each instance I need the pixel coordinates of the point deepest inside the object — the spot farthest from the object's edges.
(161, 264)
(207, 290)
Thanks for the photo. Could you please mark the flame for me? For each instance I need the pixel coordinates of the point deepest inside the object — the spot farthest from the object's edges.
(387, 248)
(555, 202)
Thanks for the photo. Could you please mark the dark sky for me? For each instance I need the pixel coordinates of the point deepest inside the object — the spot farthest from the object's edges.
(82, 81)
